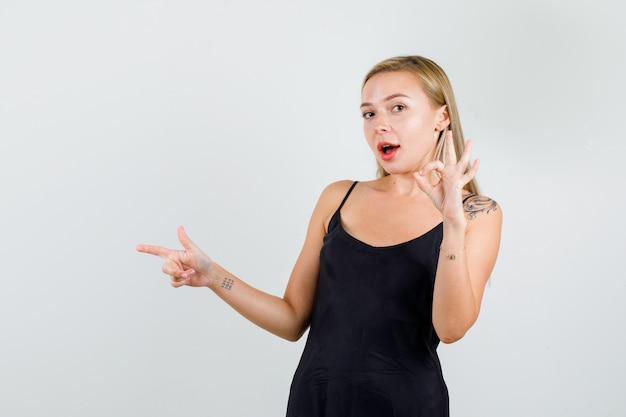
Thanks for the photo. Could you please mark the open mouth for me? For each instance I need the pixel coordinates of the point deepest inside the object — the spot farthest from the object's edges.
(386, 148)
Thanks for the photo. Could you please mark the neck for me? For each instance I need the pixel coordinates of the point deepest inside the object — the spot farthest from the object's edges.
(403, 184)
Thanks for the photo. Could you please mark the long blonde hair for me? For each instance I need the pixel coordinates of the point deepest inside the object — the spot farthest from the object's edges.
(439, 90)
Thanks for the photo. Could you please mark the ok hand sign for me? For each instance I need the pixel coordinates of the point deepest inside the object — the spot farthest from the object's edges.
(453, 175)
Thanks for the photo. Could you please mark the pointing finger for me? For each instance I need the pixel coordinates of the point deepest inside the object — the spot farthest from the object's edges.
(154, 250)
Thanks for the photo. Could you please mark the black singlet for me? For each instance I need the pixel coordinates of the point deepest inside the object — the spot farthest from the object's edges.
(371, 348)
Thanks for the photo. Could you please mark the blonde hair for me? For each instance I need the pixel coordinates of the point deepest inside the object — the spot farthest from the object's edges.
(438, 88)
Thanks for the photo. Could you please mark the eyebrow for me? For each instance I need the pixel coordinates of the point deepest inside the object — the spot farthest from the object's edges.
(391, 97)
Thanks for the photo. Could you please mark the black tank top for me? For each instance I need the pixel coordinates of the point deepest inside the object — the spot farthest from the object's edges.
(371, 347)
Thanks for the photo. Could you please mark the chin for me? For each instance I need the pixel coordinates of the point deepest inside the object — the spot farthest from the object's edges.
(393, 169)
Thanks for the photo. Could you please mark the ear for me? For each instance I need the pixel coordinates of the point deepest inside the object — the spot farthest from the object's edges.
(442, 118)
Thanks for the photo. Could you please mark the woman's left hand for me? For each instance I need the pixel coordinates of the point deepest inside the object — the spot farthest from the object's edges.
(453, 175)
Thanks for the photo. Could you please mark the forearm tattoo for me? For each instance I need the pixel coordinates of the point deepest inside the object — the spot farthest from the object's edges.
(475, 204)
(227, 284)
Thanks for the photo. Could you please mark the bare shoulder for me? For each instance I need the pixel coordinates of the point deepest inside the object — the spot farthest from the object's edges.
(335, 192)
(331, 198)
(482, 208)
(484, 220)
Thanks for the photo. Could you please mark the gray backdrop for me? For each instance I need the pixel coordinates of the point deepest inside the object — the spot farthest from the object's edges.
(121, 120)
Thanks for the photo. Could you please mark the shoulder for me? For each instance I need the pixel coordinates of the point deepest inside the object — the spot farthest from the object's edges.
(480, 207)
(335, 192)
(484, 220)
(330, 199)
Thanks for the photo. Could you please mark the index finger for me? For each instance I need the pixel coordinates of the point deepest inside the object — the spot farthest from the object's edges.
(154, 250)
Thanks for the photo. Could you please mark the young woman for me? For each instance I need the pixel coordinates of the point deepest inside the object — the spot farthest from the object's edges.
(389, 267)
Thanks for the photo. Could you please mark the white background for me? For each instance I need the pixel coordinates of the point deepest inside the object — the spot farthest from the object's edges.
(121, 120)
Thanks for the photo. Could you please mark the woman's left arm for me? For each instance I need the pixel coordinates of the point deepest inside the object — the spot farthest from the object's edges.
(466, 259)
(469, 248)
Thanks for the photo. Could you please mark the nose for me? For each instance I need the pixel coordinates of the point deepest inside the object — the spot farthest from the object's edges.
(382, 124)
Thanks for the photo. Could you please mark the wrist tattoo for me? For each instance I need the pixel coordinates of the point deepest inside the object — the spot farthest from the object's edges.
(227, 283)
(475, 204)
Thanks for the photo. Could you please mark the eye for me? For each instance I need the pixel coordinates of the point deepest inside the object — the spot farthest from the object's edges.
(398, 108)
(368, 115)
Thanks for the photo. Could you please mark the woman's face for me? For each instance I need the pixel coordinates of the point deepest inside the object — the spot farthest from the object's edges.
(400, 122)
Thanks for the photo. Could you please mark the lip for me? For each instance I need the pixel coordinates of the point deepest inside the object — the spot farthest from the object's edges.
(387, 156)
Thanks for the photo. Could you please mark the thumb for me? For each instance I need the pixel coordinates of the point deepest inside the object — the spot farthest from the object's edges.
(184, 239)
(422, 182)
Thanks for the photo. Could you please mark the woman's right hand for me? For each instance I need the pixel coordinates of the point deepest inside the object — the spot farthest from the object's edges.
(189, 267)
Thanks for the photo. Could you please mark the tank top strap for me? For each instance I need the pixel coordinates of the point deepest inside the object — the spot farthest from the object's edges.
(347, 195)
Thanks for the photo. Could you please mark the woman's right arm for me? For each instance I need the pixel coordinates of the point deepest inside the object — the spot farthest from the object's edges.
(287, 317)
